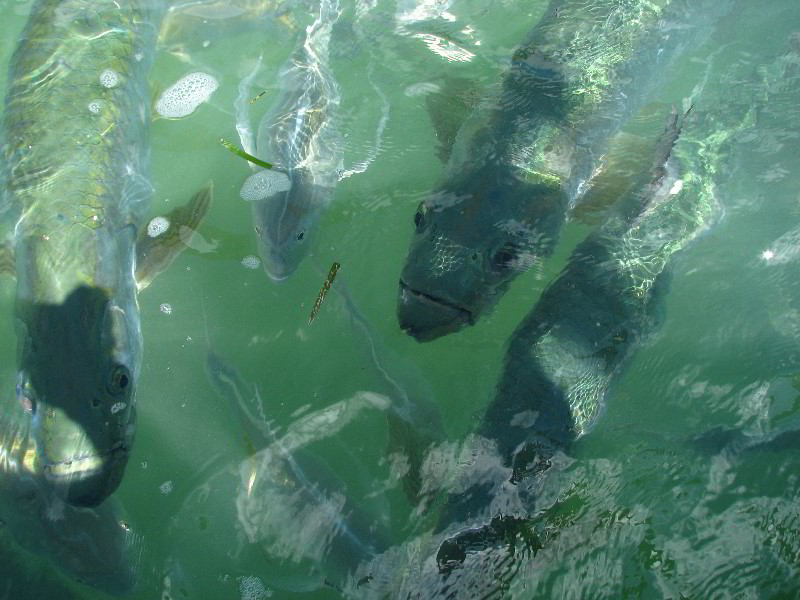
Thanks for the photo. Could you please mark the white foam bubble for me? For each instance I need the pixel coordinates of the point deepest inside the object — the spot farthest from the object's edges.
(166, 487)
(251, 262)
(109, 78)
(95, 106)
(252, 588)
(185, 95)
(157, 226)
(116, 407)
(165, 308)
(263, 184)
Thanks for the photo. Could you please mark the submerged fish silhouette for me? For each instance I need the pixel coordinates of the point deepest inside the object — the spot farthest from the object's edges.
(523, 157)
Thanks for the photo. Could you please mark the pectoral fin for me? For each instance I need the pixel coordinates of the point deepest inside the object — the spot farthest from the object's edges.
(154, 253)
(448, 109)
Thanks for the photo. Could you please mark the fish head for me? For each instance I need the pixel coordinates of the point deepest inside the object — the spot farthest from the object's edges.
(286, 224)
(78, 368)
(473, 235)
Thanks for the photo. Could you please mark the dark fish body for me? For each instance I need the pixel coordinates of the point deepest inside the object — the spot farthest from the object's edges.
(559, 365)
(521, 160)
(562, 358)
(299, 137)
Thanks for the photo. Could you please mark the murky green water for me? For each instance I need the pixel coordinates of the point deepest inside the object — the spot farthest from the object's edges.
(640, 508)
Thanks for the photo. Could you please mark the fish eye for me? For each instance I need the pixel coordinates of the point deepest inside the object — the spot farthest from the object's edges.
(119, 380)
(300, 236)
(505, 255)
(419, 216)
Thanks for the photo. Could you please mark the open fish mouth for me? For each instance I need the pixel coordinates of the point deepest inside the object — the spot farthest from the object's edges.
(426, 317)
(90, 479)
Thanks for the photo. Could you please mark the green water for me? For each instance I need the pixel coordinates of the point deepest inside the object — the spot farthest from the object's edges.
(638, 509)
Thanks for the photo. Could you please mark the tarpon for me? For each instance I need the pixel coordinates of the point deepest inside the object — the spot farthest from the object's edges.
(559, 365)
(562, 357)
(76, 192)
(287, 501)
(522, 159)
(298, 136)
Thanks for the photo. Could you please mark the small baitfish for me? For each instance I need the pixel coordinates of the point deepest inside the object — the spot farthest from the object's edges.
(524, 156)
(75, 159)
(324, 291)
(299, 137)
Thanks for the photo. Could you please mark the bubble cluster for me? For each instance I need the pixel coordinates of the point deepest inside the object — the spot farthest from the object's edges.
(185, 95)
(109, 78)
(251, 262)
(252, 588)
(116, 407)
(166, 487)
(94, 107)
(263, 184)
(165, 308)
(157, 226)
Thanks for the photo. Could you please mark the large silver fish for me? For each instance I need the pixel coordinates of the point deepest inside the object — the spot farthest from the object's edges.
(76, 158)
(522, 159)
(299, 137)
(76, 154)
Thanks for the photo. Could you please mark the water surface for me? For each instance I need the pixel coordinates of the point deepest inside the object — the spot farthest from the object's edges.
(648, 504)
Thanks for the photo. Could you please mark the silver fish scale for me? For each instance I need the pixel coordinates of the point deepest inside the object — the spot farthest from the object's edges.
(447, 256)
(69, 162)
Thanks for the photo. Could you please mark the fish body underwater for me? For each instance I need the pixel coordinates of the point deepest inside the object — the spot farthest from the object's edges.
(299, 137)
(559, 365)
(76, 153)
(75, 195)
(524, 156)
(562, 357)
(292, 510)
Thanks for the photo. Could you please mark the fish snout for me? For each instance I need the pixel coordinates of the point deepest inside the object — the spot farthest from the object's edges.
(426, 317)
(276, 270)
(278, 262)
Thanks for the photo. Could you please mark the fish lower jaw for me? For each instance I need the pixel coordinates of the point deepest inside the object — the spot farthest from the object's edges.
(76, 466)
(275, 277)
(426, 317)
(89, 480)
